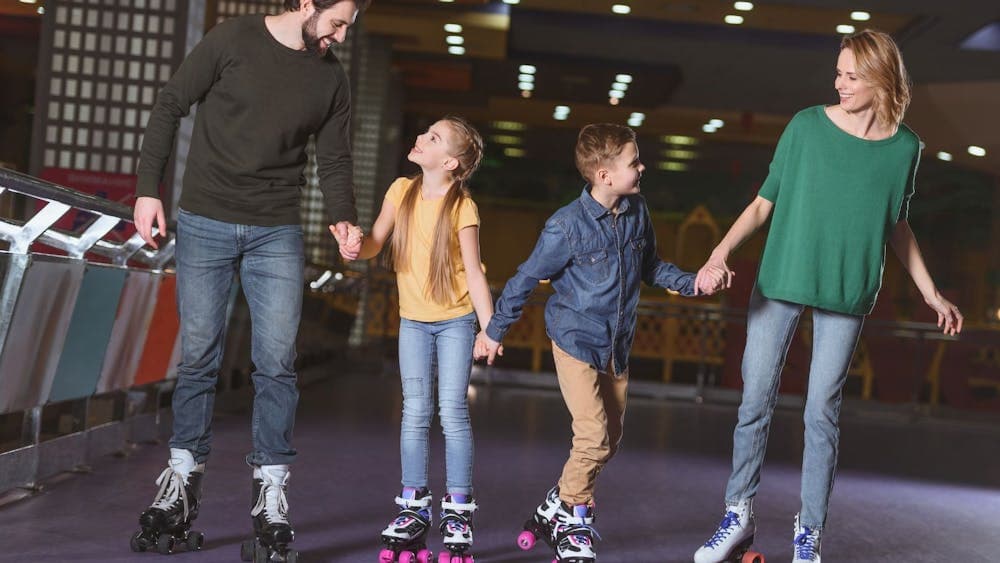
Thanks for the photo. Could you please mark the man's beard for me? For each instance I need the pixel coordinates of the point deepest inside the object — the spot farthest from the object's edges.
(312, 42)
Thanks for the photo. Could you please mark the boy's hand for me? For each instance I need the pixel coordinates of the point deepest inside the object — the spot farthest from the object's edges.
(487, 348)
(714, 276)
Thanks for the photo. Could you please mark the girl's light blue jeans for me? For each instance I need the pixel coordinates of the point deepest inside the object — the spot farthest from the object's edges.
(448, 346)
(770, 327)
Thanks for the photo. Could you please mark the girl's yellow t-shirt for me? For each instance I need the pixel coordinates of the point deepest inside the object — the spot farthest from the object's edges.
(414, 301)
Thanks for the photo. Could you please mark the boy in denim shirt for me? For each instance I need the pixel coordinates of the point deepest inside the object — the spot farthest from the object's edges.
(595, 251)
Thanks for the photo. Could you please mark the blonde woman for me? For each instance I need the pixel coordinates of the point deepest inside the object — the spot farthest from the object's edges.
(434, 229)
(838, 189)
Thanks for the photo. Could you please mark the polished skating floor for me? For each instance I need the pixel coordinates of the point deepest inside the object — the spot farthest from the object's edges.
(909, 488)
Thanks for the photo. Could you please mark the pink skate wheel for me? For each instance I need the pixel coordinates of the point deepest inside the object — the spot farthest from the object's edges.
(444, 557)
(526, 540)
(424, 556)
(407, 557)
(386, 556)
(468, 559)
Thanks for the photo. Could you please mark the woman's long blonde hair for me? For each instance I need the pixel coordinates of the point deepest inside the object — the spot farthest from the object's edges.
(467, 145)
(880, 63)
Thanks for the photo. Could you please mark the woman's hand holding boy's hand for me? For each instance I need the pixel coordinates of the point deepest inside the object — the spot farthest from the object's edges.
(713, 277)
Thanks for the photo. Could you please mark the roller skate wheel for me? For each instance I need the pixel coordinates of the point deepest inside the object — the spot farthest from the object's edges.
(165, 544)
(526, 540)
(136, 544)
(425, 556)
(752, 557)
(386, 556)
(246, 550)
(260, 553)
(468, 559)
(195, 540)
(407, 557)
(291, 556)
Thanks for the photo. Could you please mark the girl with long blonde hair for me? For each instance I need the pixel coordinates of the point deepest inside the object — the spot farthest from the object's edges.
(432, 226)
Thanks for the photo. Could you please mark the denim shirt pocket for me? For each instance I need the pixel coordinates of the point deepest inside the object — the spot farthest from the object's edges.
(637, 247)
(593, 265)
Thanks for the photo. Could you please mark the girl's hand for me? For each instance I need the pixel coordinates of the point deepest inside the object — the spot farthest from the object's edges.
(949, 317)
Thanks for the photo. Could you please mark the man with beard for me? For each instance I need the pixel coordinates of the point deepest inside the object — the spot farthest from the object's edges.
(264, 84)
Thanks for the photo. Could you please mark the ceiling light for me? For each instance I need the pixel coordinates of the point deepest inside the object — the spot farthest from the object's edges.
(619, 86)
(29, 1)
(708, 128)
(679, 140)
(716, 123)
(860, 16)
(680, 154)
(41, 10)
(526, 69)
(525, 93)
(616, 94)
(845, 28)
(733, 19)
(672, 166)
(454, 40)
(526, 77)
(508, 125)
(453, 28)
(743, 6)
(945, 156)
(621, 9)
(513, 152)
(456, 50)
(634, 122)
(526, 85)
(506, 139)
(562, 109)
(638, 115)
(626, 78)
(976, 151)
(446, 1)
(614, 101)
(560, 116)
(511, 2)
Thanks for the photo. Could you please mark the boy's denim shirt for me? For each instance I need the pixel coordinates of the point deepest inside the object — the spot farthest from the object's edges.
(595, 260)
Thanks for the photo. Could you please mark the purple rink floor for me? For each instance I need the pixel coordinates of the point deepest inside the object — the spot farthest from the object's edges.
(909, 489)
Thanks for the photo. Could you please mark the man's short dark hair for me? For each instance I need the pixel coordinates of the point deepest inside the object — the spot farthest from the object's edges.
(293, 5)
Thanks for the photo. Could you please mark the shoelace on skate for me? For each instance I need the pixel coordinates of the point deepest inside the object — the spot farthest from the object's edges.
(729, 521)
(805, 545)
(273, 503)
(171, 488)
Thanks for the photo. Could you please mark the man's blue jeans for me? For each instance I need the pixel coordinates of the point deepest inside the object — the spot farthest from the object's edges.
(770, 328)
(450, 342)
(270, 261)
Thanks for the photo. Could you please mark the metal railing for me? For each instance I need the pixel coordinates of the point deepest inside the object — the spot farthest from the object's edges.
(79, 316)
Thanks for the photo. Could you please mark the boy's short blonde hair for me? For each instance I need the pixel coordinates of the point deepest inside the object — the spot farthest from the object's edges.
(599, 143)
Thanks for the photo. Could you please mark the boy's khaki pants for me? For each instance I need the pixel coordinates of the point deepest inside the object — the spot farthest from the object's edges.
(596, 401)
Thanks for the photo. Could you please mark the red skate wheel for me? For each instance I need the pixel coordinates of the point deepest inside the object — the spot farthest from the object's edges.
(526, 540)
(386, 556)
(752, 557)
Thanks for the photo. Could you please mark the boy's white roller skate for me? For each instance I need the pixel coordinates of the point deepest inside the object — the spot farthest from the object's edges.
(166, 524)
(573, 534)
(456, 528)
(405, 537)
(540, 523)
(732, 539)
(271, 528)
